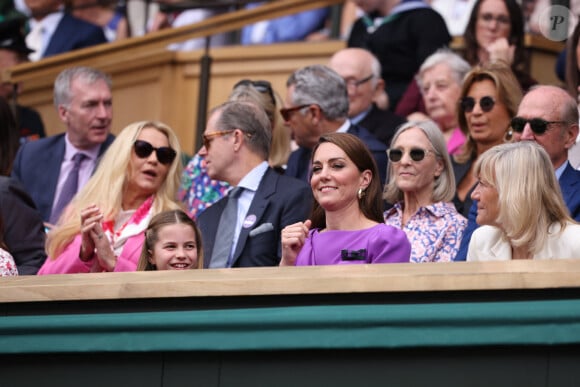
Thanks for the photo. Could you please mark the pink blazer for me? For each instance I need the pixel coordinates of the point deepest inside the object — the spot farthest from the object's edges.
(69, 261)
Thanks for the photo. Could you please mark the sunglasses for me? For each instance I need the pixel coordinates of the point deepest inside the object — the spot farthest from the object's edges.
(261, 86)
(416, 154)
(165, 154)
(208, 138)
(468, 103)
(287, 112)
(538, 125)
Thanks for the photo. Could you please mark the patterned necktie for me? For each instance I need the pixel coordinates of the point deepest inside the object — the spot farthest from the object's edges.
(224, 238)
(69, 188)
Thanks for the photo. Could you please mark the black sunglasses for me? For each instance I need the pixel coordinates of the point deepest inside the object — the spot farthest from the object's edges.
(165, 154)
(261, 86)
(538, 125)
(416, 154)
(485, 103)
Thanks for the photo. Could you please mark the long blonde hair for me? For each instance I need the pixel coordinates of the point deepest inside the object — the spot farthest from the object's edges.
(107, 185)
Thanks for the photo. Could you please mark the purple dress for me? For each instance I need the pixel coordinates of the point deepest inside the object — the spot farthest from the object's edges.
(378, 244)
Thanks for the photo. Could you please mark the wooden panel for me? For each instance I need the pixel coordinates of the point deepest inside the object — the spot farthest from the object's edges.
(153, 43)
(295, 280)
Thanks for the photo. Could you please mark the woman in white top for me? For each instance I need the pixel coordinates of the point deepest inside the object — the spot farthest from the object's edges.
(521, 206)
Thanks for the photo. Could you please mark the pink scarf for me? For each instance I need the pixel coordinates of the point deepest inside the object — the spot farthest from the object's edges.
(136, 224)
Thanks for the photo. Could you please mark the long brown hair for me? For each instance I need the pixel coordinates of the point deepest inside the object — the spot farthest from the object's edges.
(9, 138)
(516, 34)
(371, 203)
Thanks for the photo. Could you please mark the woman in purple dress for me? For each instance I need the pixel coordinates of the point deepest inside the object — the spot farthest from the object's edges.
(346, 225)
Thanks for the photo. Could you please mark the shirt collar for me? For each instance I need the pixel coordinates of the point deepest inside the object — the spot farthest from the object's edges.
(344, 127)
(252, 179)
(560, 170)
(71, 150)
(359, 117)
(49, 22)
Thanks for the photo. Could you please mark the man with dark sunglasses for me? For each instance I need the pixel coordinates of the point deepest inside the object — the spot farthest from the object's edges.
(243, 229)
(548, 116)
(316, 103)
(54, 168)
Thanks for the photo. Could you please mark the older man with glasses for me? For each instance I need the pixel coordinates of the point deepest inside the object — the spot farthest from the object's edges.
(361, 71)
(548, 116)
(317, 103)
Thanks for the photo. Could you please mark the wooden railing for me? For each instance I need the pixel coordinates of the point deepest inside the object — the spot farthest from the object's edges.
(274, 281)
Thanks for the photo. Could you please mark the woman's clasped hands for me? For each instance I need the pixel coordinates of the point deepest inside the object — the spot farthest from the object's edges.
(94, 240)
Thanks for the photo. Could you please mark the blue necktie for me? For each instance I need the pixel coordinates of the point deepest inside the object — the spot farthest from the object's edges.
(224, 238)
(69, 188)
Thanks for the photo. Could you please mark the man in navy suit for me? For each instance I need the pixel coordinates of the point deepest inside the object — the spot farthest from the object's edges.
(82, 97)
(52, 31)
(317, 103)
(556, 107)
(236, 146)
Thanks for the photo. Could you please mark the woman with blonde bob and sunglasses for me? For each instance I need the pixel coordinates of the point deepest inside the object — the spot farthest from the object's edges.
(421, 185)
(489, 98)
(103, 227)
(520, 207)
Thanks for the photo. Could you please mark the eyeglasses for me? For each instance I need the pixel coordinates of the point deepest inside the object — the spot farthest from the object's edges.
(353, 83)
(485, 103)
(165, 154)
(261, 86)
(500, 19)
(287, 112)
(538, 125)
(208, 138)
(416, 154)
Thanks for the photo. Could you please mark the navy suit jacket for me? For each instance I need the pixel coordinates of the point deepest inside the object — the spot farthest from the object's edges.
(570, 186)
(279, 201)
(299, 160)
(23, 228)
(37, 166)
(71, 34)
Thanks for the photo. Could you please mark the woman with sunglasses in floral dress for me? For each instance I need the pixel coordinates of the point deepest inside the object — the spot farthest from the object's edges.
(103, 227)
(421, 185)
(489, 99)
